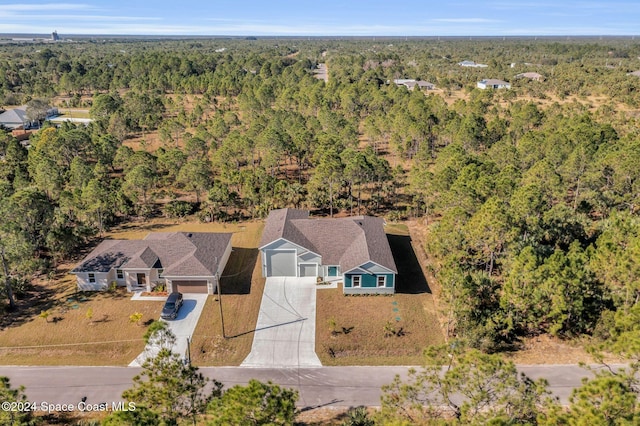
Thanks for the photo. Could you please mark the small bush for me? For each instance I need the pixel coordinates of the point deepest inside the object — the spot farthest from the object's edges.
(177, 208)
(135, 318)
(45, 315)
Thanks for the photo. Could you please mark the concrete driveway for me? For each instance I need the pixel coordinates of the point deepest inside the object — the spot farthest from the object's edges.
(285, 334)
(182, 327)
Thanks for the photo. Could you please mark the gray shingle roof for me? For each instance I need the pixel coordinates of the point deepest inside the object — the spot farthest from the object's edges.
(191, 254)
(14, 117)
(348, 242)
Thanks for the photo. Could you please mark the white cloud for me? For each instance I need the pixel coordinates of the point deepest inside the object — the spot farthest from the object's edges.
(466, 20)
(46, 6)
(90, 18)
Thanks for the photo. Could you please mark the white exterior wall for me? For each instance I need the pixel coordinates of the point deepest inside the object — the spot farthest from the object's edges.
(131, 277)
(369, 268)
(101, 283)
(222, 262)
(303, 255)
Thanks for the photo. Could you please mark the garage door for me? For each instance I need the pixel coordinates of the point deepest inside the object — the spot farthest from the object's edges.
(184, 286)
(308, 270)
(281, 263)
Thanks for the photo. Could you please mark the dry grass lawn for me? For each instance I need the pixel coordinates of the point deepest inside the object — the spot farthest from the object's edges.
(68, 337)
(242, 286)
(363, 324)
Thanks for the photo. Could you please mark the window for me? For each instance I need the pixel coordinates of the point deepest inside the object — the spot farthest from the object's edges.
(92, 278)
(160, 273)
(381, 280)
(355, 281)
(119, 274)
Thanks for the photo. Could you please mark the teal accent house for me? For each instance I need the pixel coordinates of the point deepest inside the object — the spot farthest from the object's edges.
(355, 249)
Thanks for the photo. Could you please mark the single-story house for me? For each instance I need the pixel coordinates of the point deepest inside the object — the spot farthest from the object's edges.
(354, 249)
(16, 118)
(491, 83)
(188, 262)
(531, 76)
(472, 64)
(410, 83)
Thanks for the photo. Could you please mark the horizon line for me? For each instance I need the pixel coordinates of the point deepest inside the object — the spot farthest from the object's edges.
(397, 36)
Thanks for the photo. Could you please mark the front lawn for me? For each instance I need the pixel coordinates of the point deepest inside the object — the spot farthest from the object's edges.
(83, 329)
(69, 337)
(379, 329)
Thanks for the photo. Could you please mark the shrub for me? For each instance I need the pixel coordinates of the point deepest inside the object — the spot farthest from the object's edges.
(178, 208)
(135, 318)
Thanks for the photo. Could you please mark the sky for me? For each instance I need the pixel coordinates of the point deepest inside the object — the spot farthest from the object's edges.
(322, 17)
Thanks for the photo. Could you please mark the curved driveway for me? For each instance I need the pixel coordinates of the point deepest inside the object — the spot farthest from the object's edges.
(285, 335)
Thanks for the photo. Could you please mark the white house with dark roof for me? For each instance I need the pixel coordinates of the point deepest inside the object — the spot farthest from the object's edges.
(355, 249)
(188, 262)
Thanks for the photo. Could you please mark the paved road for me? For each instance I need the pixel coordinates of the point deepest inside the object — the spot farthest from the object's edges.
(285, 333)
(324, 386)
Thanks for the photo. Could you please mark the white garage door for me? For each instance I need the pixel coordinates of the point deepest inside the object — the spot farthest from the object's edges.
(281, 263)
(308, 270)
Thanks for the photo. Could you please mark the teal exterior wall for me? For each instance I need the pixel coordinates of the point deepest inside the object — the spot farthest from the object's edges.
(369, 284)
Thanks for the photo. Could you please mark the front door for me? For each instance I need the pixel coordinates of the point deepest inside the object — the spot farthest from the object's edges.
(142, 280)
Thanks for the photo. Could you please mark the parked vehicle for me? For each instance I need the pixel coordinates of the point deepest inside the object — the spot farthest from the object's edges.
(172, 306)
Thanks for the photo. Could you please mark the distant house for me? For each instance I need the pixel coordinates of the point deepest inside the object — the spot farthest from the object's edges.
(410, 84)
(472, 64)
(636, 73)
(16, 118)
(355, 249)
(531, 76)
(491, 83)
(188, 262)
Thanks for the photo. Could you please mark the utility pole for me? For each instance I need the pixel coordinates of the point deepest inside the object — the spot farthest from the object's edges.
(220, 305)
(220, 298)
(188, 351)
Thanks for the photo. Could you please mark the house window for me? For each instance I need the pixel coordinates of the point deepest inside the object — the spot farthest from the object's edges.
(92, 278)
(356, 280)
(382, 280)
(160, 273)
(119, 274)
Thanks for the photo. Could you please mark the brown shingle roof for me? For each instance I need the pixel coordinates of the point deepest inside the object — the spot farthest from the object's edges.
(191, 254)
(348, 242)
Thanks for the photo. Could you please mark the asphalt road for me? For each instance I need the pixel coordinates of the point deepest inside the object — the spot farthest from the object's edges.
(324, 386)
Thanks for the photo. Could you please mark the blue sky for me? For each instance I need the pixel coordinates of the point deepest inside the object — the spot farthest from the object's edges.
(322, 17)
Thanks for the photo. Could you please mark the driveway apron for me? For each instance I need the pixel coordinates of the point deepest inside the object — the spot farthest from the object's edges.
(182, 327)
(285, 334)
